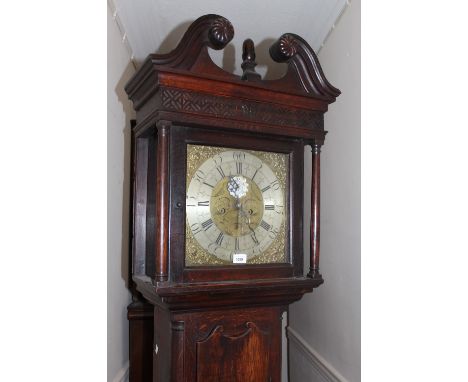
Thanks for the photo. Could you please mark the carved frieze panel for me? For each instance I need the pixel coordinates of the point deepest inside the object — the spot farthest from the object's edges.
(226, 107)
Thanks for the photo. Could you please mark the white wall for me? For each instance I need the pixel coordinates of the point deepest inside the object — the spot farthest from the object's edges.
(328, 320)
(119, 111)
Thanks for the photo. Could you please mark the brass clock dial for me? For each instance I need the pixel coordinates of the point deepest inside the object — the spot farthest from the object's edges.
(235, 206)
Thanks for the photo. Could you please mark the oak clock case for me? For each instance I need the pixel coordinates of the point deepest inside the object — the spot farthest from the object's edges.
(217, 227)
(262, 227)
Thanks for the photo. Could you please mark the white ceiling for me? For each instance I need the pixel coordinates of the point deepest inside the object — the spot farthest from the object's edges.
(156, 26)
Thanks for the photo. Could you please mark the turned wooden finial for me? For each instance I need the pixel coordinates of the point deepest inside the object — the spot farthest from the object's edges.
(249, 64)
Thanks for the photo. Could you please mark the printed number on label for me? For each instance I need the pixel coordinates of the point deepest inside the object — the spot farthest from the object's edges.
(239, 258)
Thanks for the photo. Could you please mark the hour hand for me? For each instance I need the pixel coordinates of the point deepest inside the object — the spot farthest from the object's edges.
(254, 237)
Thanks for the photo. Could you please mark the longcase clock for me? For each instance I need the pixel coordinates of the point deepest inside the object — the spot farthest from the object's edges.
(218, 206)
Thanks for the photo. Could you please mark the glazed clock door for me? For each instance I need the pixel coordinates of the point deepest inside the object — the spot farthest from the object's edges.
(236, 206)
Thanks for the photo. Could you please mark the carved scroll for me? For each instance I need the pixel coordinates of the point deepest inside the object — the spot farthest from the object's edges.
(301, 58)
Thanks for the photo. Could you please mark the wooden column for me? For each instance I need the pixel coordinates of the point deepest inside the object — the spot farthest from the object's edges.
(162, 200)
(315, 215)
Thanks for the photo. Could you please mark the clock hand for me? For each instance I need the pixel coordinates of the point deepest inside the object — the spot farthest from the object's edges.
(254, 236)
(248, 222)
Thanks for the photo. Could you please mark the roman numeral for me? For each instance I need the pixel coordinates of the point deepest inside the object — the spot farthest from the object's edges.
(200, 175)
(207, 224)
(239, 167)
(255, 173)
(238, 155)
(272, 234)
(196, 228)
(236, 244)
(221, 172)
(275, 185)
(268, 207)
(265, 225)
(218, 160)
(254, 238)
(204, 204)
(220, 238)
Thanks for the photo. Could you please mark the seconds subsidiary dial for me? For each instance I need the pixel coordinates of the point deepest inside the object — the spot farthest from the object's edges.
(236, 205)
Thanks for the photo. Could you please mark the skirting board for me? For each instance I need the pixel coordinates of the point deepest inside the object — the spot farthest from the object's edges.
(322, 367)
(122, 374)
